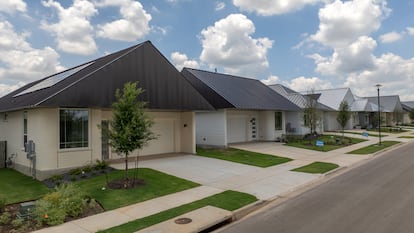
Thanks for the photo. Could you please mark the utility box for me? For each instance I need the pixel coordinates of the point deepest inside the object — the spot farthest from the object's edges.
(26, 210)
(30, 149)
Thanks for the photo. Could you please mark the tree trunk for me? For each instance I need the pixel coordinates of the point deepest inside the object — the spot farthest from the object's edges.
(126, 166)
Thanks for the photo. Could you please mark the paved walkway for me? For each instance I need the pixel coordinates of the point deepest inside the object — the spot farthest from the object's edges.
(216, 176)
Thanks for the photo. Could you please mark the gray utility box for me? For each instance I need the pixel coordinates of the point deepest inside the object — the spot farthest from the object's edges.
(26, 209)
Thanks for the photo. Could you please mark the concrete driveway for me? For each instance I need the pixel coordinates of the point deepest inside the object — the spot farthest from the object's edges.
(264, 183)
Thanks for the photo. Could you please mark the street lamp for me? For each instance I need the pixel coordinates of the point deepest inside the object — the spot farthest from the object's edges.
(379, 114)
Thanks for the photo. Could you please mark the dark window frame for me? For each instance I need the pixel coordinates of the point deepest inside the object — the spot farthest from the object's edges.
(73, 128)
(278, 121)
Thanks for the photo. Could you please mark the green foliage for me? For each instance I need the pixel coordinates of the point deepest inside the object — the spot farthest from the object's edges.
(2, 204)
(311, 114)
(130, 128)
(317, 168)
(101, 164)
(66, 200)
(343, 115)
(5, 218)
(17, 222)
(411, 115)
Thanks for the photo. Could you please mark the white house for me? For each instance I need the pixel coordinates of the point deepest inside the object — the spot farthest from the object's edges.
(246, 109)
(60, 113)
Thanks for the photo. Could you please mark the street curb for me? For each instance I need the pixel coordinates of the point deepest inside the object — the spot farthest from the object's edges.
(242, 212)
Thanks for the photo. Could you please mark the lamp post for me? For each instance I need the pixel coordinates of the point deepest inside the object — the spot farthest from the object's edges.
(379, 113)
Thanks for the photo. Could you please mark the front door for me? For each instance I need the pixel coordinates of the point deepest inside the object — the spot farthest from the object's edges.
(105, 141)
(3, 153)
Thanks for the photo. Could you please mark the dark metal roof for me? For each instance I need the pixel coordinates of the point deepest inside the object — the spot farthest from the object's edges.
(228, 91)
(94, 85)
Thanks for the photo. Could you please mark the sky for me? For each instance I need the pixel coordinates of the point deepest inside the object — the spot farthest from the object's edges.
(303, 44)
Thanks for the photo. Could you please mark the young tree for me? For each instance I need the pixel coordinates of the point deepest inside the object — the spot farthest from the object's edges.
(311, 115)
(343, 115)
(130, 128)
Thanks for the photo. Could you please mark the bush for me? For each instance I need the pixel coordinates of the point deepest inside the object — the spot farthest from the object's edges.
(101, 165)
(17, 222)
(5, 218)
(66, 200)
(2, 204)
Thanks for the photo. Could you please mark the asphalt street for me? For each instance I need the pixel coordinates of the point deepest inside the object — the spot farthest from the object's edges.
(376, 197)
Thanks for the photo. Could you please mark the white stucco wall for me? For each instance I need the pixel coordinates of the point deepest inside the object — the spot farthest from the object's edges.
(43, 129)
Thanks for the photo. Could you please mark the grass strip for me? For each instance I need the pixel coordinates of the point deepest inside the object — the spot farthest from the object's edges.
(369, 134)
(373, 148)
(16, 187)
(242, 156)
(329, 143)
(228, 200)
(408, 137)
(317, 168)
(156, 184)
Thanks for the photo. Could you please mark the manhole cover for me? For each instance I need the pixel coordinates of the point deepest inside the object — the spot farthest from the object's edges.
(183, 220)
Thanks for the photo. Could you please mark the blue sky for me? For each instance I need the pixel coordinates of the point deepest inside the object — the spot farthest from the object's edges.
(303, 44)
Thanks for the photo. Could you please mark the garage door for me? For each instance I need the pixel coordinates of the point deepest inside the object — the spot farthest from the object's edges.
(165, 141)
(237, 129)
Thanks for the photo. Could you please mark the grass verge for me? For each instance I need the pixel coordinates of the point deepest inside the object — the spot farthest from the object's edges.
(406, 137)
(370, 134)
(242, 156)
(156, 184)
(16, 187)
(317, 168)
(393, 130)
(228, 200)
(373, 148)
(329, 143)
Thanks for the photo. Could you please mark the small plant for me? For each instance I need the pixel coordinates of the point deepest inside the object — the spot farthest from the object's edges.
(18, 222)
(5, 218)
(87, 168)
(75, 171)
(2, 204)
(101, 165)
(73, 178)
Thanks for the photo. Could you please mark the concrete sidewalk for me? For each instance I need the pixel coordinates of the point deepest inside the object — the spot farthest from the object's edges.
(216, 176)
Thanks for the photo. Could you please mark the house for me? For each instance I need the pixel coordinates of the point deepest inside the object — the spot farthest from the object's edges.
(60, 113)
(391, 109)
(246, 109)
(407, 106)
(295, 119)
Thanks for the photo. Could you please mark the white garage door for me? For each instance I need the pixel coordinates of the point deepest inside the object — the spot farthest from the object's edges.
(237, 129)
(165, 141)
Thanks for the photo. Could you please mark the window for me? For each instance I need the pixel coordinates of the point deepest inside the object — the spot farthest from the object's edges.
(24, 128)
(73, 128)
(278, 121)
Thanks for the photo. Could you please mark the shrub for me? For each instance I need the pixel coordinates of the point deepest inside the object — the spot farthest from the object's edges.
(75, 171)
(5, 218)
(66, 200)
(17, 222)
(101, 164)
(2, 204)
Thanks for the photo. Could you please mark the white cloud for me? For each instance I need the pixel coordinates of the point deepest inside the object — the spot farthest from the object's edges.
(134, 24)
(74, 32)
(356, 57)
(273, 7)
(220, 6)
(301, 84)
(180, 61)
(392, 71)
(229, 44)
(390, 37)
(19, 62)
(341, 23)
(11, 6)
(272, 79)
(410, 31)
(5, 89)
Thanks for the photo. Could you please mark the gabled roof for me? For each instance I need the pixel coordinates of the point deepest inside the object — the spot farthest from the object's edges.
(333, 97)
(297, 98)
(407, 105)
(388, 103)
(93, 84)
(363, 105)
(228, 91)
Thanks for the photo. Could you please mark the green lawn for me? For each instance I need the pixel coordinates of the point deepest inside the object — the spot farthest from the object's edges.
(329, 140)
(406, 137)
(370, 134)
(317, 167)
(373, 148)
(156, 184)
(16, 187)
(393, 130)
(242, 156)
(229, 200)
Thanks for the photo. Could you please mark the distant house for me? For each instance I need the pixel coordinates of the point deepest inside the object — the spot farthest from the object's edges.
(60, 113)
(391, 109)
(246, 109)
(407, 106)
(295, 119)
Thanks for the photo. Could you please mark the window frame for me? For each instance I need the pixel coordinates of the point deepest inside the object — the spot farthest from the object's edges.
(278, 123)
(84, 144)
(25, 126)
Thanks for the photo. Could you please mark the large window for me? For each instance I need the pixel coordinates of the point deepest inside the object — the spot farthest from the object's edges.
(73, 128)
(278, 121)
